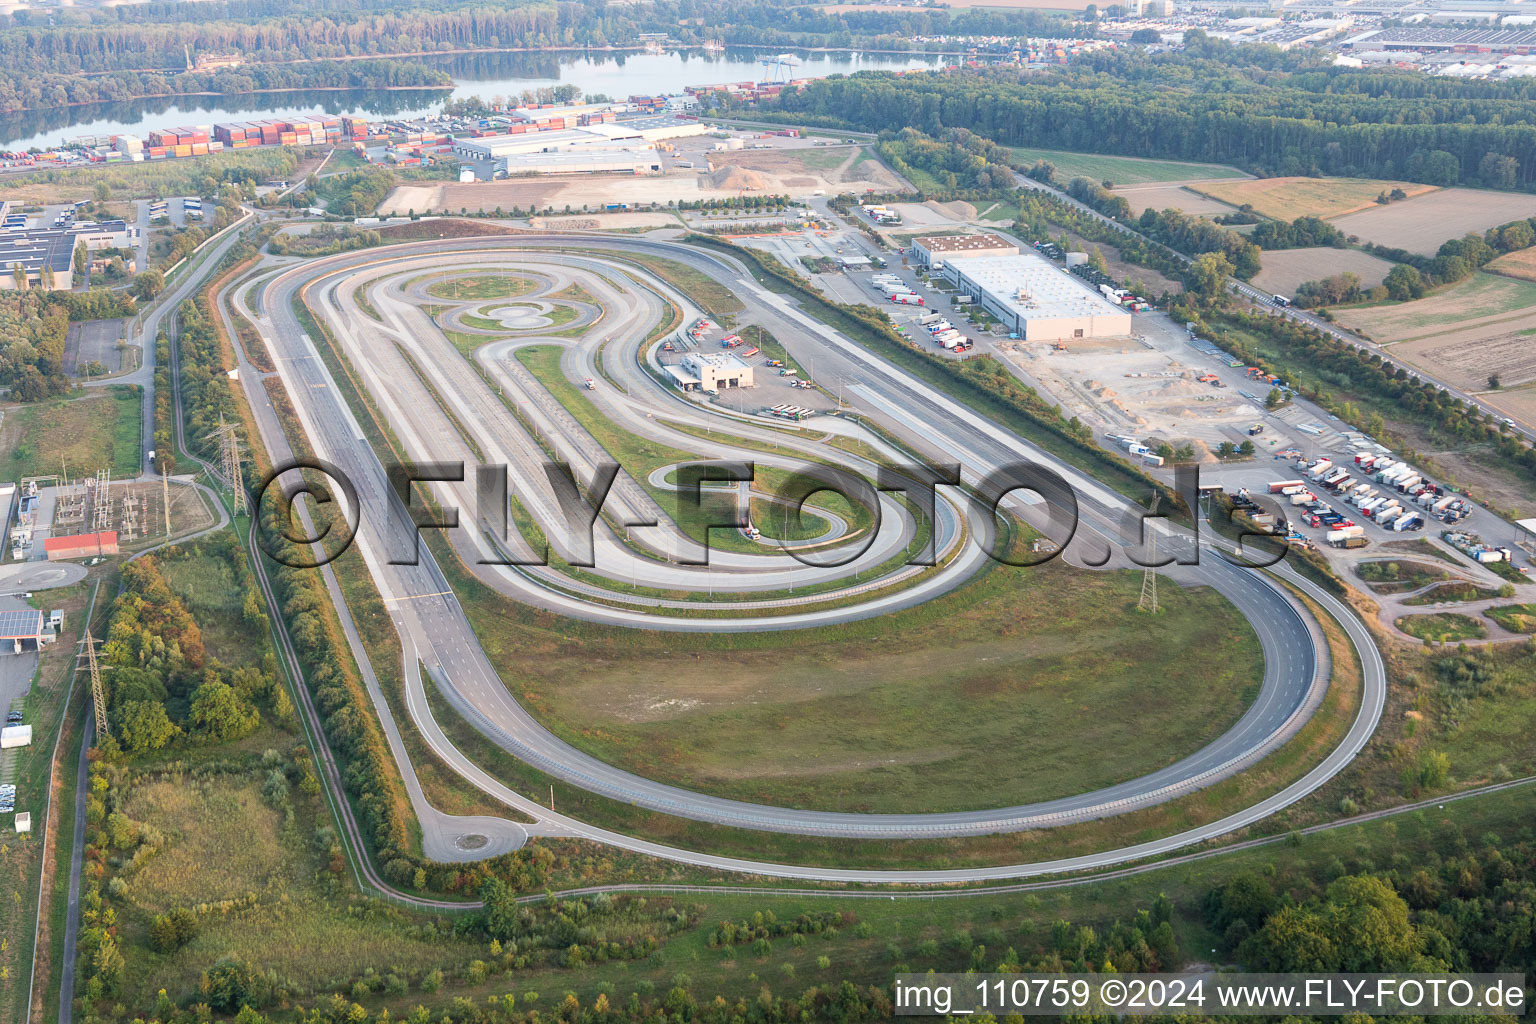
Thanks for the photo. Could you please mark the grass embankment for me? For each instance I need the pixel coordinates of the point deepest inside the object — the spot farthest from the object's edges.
(1455, 591)
(1444, 627)
(78, 434)
(1517, 618)
(1398, 577)
(704, 291)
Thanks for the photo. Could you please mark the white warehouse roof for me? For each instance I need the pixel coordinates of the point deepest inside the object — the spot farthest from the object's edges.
(1034, 293)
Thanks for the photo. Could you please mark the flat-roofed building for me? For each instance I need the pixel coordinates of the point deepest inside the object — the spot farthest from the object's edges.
(81, 545)
(931, 249)
(716, 371)
(21, 629)
(1037, 300)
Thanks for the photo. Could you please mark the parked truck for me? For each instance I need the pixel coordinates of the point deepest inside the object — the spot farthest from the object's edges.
(1408, 482)
(1319, 468)
(1411, 521)
(1279, 486)
(1343, 533)
(907, 299)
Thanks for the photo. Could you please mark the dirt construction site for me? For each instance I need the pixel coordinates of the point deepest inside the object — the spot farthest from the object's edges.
(1147, 386)
(715, 175)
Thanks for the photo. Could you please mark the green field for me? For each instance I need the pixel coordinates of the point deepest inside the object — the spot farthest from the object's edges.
(1398, 576)
(500, 286)
(1453, 591)
(78, 434)
(1446, 627)
(1122, 170)
(1040, 692)
(1517, 618)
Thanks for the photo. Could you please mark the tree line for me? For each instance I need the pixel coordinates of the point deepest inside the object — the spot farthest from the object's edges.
(43, 90)
(1272, 125)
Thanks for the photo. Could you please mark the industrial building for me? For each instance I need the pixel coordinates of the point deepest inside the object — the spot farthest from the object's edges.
(931, 249)
(627, 146)
(22, 629)
(1037, 300)
(49, 252)
(701, 371)
(83, 545)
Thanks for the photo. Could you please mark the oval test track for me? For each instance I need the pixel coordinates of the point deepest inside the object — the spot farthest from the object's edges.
(432, 622)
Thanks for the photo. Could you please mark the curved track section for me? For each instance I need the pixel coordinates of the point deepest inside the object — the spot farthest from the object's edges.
(435, 628)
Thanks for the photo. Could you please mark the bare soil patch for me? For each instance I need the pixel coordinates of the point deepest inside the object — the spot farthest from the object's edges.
(1284, 269)
(1172, 196)
(1422, 223)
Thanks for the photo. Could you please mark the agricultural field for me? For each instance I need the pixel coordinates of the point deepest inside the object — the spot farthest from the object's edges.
(1463, 333)
(1172, 197)
(1281, 270)
(1422, 222)
(1122, 170)
(1520, 264)
(78, 434)
(1038, 663)
(1288, 198)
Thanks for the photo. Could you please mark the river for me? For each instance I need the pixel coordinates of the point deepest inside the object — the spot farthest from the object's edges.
(481, 75)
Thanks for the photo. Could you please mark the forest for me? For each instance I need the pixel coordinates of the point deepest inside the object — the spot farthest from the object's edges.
(1330, 122)
(33, 327)
(114, 54)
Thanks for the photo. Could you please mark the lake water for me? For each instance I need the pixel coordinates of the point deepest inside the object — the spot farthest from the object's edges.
(478, 75)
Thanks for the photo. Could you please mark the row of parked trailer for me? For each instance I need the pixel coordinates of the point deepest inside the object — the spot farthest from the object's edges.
(1393, 495)
(944, 333)
(895, 290)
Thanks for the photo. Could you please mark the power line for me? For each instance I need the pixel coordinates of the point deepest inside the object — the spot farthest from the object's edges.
(231, 456)
(98, 694)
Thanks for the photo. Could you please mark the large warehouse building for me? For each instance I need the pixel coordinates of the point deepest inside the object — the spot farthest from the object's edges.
(1036, 299)
(627, 146)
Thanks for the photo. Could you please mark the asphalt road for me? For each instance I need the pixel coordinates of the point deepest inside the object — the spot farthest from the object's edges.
(432, 621)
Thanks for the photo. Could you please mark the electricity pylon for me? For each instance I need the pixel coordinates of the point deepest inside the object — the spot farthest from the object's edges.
(231, 455)
(98, 695)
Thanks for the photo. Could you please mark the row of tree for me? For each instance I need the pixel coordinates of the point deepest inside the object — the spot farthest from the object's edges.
(1268, 124)
(46, 89)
